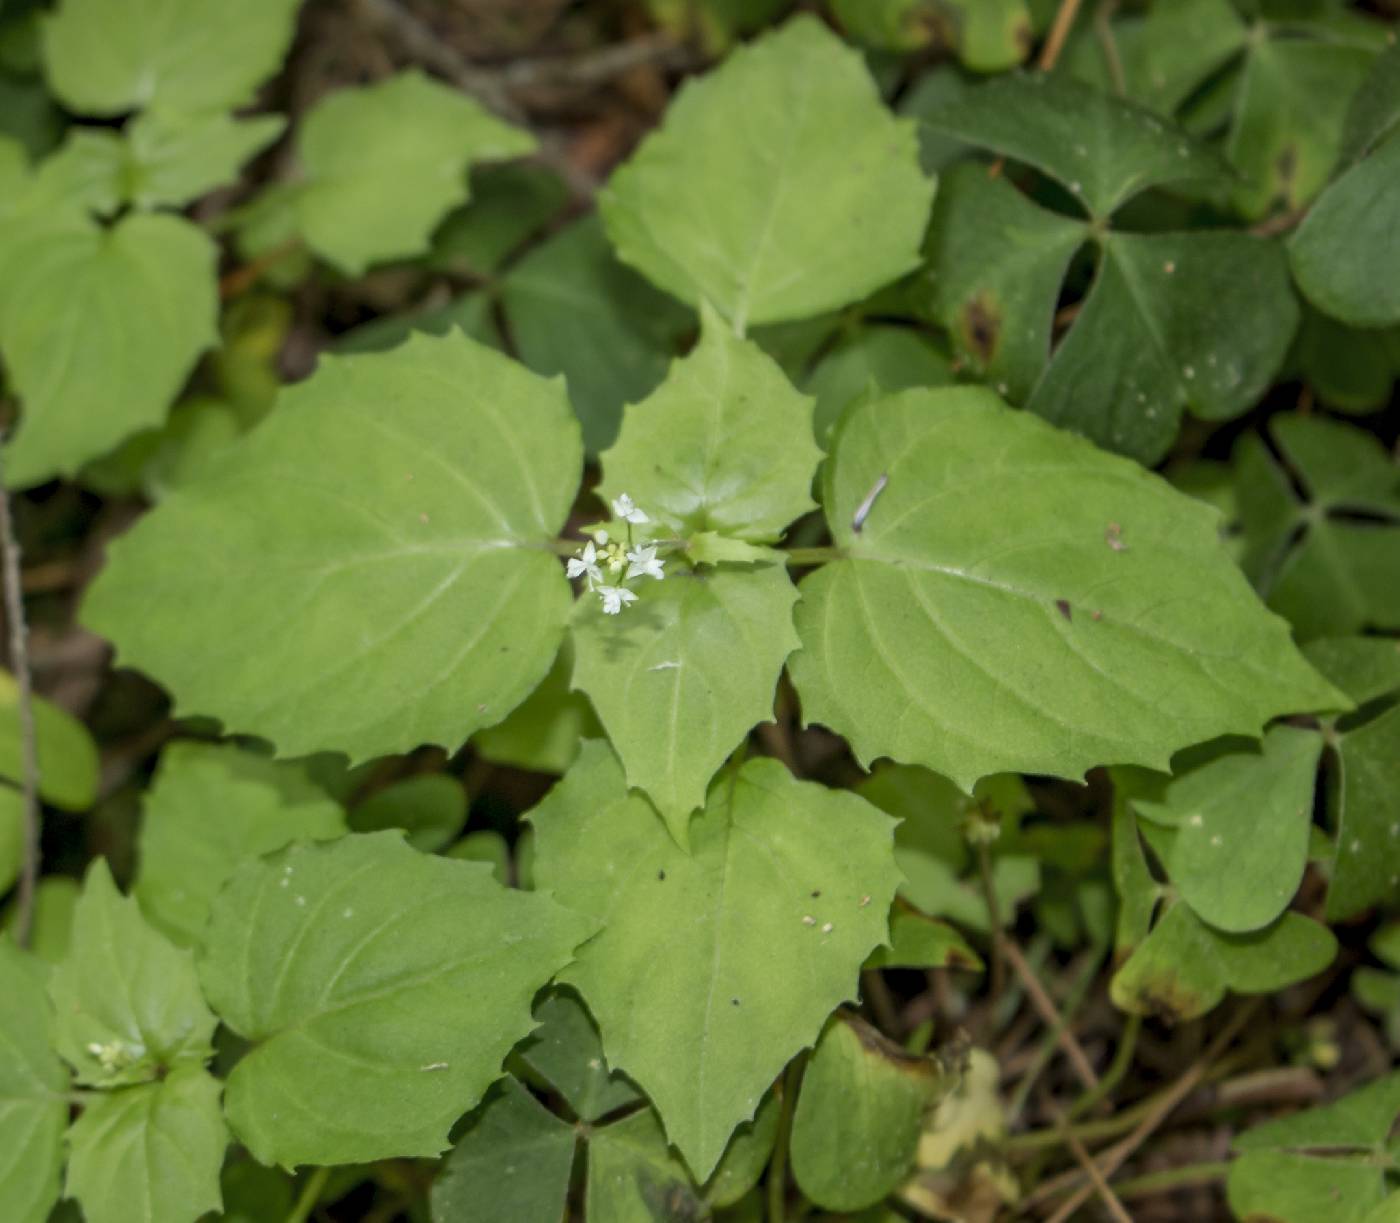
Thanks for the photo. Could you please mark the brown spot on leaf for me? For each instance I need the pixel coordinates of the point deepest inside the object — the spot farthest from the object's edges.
(1063, 607)
(980, 323)
(1113, 537)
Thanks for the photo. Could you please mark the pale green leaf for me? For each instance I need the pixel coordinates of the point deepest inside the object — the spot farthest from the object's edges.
(1138, 892)
(66, 753)
(51, 929)
(33, 1091)
(150, 1152)
(566, 1053)
(874, 359)
(106, 58)
(1363, 667)
(431, 809)
(724, 444)
(917, 941)
(381, 987)
(777, 187)
(486, 846)
(175, 158)
(127, 1002)
(859, 1115)
(1366, 866)
(682, 677)
(634, 1178)
(99, 329)
(780, 874)
(1075, 611)
(544, 731)
(380, 580)
(386, 162)
(210, 809)
(11, 836)
(746, 1156)
(989, 35)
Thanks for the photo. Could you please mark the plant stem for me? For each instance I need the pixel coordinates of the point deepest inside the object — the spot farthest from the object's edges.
(1172, 1178)
(1059, 31)
(1122, 1059)
(777, 1166)
(813, 556)
(310, 1193)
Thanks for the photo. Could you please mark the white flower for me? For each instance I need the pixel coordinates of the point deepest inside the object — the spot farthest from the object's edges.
(643, 563)
(624, 508)
(585, 564)
(615, 598)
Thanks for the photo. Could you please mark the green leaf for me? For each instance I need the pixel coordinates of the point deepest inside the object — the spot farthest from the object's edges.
(990, 35)
(780, 872)
(127, 1002)
(1350, 370)
(99, 329)
(1343, 255)
(746, 1156)
(996, 263)
(1375, 109)
(55, 901)
(386, 162)
(566, 1052)
(875, 358)
(917, 941)
(1184, 967)
(1240, 829)
(509, 204)
(254, 1194)
(1138, 892)
(575, 310)
(380, 580)
(544, 731)
(67, 755)
(1366, 867)
(1173, 321)
(33, 1091)
(1101, 149)
(106, 59)
(210, 809)
(177, 157)
(748, 196)
(634, 1178)
(681, 679)
(859, 1115)
(511, 1164)
(1030, 604)
(149, 1152)
(471, 313)
(11, 836)
(381, 987)
(724, 444)
(431, 808)
(1363, 667)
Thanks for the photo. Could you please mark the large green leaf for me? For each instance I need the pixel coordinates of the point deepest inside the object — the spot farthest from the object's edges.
(127, 1002)
(859, 1115)
(106, 58)
(385, 163)
(544, 731)
(776, 187)
(873, 359)
(1240, 825)
(1017, 601)
(1366, 867)
(149, 1152)
(381, 579)
(381, 987)
(33, 1091)
(780, 874)
(67, 756)
(99, 329)
(210, 809)
(681, 679)
(175, 157)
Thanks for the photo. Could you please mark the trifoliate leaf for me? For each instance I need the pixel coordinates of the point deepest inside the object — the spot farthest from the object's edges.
(724, 444)
(783, 877)
(99, 329)
(681, 679)
(177, 157)
(1350, 370)
(385, 163)
(381, 987)
(431, 809)
(210, 809)
(1375, 108)
(1016, 601)
(149, 1152)
(566, 1052)
(1101, 149)
(1240, 828)
(874, 359)
(33, 1091)
(1366, 867)
(66, 753)
(634, 1178)
(859, 1115)
(381, 579)
(777, 187)
(127, 1002)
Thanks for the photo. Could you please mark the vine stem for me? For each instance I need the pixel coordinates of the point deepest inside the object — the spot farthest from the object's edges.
(777, 1167)
(311, 1192)
(19, 664)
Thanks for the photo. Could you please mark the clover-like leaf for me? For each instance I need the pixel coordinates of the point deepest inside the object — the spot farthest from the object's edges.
(382, 989)
(1366, 865)
(783, 877)
(381, 579)
(873, 359)
(633, 1176)
(1013, 600)
(566, 1052)
(777, 187)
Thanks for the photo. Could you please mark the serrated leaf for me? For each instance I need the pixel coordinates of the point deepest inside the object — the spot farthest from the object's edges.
(1366, 866)
(1184, 967)
(724, 444)
(566, 1052)
(1017, 601)
(681, 679)
(416, 608)
(873, 359)
(1101, 149)
(99, 329)
(127, 1003)
(634, 1178)
(149, 1152)
(859, 1115)
(177, 157)
(510, 1165)
(386, 162)
(431, 809)
(67, 755)
(1240, 828)
(369, 1043)
(698, 938)
(33, 1091)
(210, 809)
(747, 196)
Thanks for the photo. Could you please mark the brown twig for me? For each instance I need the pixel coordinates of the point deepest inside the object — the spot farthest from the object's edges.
(1108, 44)
(1110, 1199)
(1049, 1013)
(1279, 223)
(1059, 31)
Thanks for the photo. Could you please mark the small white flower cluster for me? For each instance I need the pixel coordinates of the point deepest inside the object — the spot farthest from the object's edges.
(116, 1055)
(605, 563)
